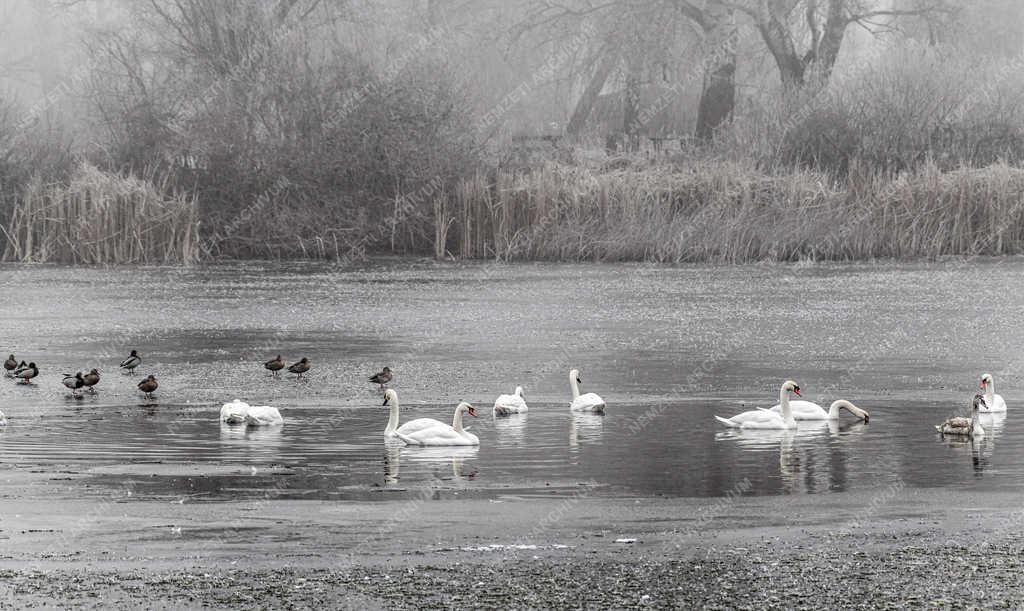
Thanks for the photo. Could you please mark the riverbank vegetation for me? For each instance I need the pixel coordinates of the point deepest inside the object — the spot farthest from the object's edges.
(663, 131)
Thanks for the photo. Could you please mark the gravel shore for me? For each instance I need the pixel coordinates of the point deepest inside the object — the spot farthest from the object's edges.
(927, 547)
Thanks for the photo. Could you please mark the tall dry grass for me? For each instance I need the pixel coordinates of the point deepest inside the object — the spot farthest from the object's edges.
(732, 212)
(100, 217)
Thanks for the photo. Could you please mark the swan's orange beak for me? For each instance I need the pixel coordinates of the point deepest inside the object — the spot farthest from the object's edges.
(472, 411)
(797, 391)
(385, 402)
(983, 384)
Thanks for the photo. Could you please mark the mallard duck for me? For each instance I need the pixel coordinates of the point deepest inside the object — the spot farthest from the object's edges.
(10, 365)
(382, 378)
(148, 385)
(74, 382)
(301, 367)
(130, 363)
(275, 365)
(92, 379)
(27, 373)
(22, 366)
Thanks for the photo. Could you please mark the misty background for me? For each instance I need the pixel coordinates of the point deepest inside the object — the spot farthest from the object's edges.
(177, 131)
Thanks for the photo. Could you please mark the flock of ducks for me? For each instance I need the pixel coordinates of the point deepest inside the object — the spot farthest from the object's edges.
(786, 414)
(431, 432)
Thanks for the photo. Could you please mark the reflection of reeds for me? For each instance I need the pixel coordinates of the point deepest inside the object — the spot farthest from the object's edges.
(729, 212)
(100, 217)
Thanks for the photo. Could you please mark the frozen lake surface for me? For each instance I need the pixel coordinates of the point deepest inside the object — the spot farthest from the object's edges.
(667, 348)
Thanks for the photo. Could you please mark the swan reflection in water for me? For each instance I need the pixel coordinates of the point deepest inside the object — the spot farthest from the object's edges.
(430, 455)
(264, 441)
(510, 430)
(806, 454)
(585, 427)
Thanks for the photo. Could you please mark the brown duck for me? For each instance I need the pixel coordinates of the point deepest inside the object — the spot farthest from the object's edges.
(275, 365)
(10, 364)
(148, 385)
(92, 379)
(382, 378)
(301, 367)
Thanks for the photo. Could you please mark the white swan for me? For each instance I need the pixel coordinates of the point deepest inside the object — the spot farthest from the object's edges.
(234, 412)
(430, 432)
(965, 427)
(808, 410)
(766, 418)
(240, 412)
(589, 402)
(993, 403)
(511, 404)
(263, 415)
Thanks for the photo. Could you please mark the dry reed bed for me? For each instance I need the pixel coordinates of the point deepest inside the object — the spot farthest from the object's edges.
(730, 212)
(100, 217)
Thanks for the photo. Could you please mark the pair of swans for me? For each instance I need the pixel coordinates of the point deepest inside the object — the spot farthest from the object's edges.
(786, 413)
(516, 402)
(240, 412)
(427, 431)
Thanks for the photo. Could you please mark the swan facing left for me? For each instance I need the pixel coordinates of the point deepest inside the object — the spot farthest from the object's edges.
(766, 418)
(965, 427)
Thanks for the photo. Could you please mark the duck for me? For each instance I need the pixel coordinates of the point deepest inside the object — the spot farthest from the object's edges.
(766, 418)
(92, 379)
(589, 402)
(130, 363)
(148, 385)
(382, 378)
(965, 427)
(301, 367)
(993, 403)
(430, 432)
(511, 404)
(10, 365)
(74, 382)
(22, 366)
(27, 373)
(275, 365)
(808, 410)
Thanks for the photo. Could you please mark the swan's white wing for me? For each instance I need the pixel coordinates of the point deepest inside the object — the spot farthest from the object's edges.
(512, 404)
(419, 424)
(589, 402)
(804, 410)
(441, 435)
(263, 415)
(755, 419)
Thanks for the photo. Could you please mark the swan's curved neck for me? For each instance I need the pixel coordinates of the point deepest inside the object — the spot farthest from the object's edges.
(392, 419)
(575, 386)
(784, 408)
(457, 419)
(833, 410)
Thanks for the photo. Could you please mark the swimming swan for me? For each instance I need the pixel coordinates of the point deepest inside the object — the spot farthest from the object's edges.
(808, 410)
(965, 427)
(511, 404)
(589, 402)
(993, 403)
(766, 418)
(430, 432)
